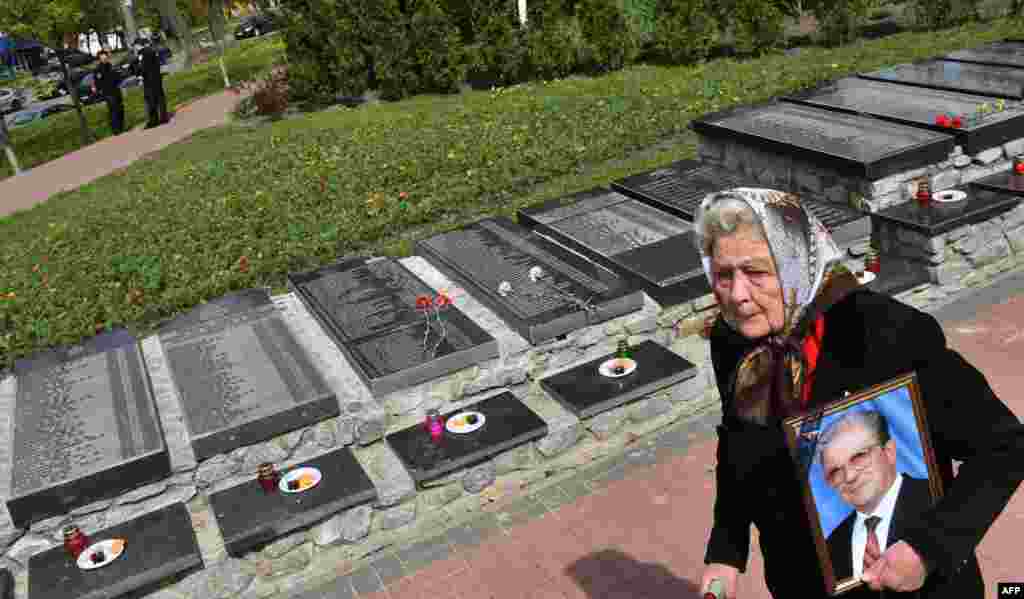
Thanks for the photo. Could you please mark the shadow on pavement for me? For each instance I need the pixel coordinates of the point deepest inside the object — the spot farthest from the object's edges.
(610, 573)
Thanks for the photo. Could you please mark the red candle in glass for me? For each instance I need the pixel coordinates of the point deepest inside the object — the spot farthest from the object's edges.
(924, 193)
(1018, 165)
(267, 477)
(75, 541)
(434, 424)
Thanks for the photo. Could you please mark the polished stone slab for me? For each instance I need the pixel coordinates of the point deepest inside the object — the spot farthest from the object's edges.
(249, 517)
(653, 249)
(82, 427)
(158, 545)
(1007, 182)
(983, 80)
(919, 107)
(849, 144)
(482, 255)
(586, 393)
(981, 204)
(1005, 53)
(680, 188)
(368, 308)
(509, 424)
(240, 374)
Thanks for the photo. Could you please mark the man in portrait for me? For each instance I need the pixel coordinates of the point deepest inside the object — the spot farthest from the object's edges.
(858, 458)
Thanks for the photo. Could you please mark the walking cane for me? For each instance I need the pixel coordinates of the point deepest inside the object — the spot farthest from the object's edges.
(716, 590)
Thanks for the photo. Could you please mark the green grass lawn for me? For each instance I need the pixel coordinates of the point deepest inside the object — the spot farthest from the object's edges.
(60, 134)
(167, 233)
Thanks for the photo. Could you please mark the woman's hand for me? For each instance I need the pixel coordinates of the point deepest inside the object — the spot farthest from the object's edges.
(727, 574)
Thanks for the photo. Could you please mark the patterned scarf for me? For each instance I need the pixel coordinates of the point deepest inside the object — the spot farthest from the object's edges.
(769, 381)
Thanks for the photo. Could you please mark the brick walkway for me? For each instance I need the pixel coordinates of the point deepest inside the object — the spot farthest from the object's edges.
(110, 154)
(638, 530)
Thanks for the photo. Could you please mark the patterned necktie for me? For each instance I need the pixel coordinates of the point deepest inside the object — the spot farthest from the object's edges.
(872, 551)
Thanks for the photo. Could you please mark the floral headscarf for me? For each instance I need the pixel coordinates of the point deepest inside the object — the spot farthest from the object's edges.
(769, 378)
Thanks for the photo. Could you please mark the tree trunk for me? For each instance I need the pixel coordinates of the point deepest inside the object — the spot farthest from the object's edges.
(217, 23)
(181, 31)
(131, 30)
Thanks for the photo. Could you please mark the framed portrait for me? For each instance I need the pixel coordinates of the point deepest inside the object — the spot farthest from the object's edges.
(867, 466)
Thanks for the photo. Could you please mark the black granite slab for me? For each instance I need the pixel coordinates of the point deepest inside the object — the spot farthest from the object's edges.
(852, 145)
(158, 545)
(983, 80)
(1004, 53)
(918, 107)
(368, 308)
(680, 187)
(249, 517)
(980, 205)
(241, 376)
(481, 255)
(1007, 182)
(84, 428)
(509, 424)
(585, 392)
(652, 249)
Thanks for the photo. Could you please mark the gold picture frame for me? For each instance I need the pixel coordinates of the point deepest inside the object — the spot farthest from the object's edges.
(865, 476)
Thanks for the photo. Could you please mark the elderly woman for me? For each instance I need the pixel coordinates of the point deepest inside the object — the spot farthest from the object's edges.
(796, 331)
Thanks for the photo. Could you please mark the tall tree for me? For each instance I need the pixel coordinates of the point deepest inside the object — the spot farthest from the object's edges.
(180, 31)
(217, 32)
(131, 29)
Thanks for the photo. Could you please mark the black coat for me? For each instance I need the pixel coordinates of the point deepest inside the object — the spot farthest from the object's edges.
(108, 81)
(915, 496)
(869, 339)
(148, 67)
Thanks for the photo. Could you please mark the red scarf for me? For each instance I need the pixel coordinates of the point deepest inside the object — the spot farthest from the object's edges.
(812, 349)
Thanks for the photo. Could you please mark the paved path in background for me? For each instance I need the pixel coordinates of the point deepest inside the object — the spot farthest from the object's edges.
(639, 530)
(110, 154)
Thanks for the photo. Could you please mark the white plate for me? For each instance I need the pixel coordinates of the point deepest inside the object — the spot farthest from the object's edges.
(608, 365)
(294, 474)
(456, 424)
(867, 277)
(84, 558)
(949, 196)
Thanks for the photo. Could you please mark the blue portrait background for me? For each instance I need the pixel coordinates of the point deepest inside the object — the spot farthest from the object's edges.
(898, 410)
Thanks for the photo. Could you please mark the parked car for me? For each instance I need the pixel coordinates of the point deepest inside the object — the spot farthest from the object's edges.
(256, 25)
(11, 100)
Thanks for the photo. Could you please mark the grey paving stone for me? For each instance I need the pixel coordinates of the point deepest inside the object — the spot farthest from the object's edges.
(520, 512)
(389, 568)
(336, 589)
(575, 487)
(616, 471)
(473, 533)
(366, 581)
(552, 497)
(673, 441)
(417, 555)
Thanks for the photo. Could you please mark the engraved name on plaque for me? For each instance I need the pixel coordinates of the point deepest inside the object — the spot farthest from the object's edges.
(241, 376)
(84, 428)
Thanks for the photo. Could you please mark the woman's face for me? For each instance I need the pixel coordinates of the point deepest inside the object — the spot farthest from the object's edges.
(746, 283)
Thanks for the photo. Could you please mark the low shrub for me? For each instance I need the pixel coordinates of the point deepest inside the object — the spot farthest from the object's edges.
(839, 21)
(612, 40)
(499, 50)
(271, 95)
(937, 14)
(685, 31)
(555, 50)
(756, 25)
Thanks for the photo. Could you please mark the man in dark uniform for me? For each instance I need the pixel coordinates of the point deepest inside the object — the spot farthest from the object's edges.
(107, 81)
(148, 66)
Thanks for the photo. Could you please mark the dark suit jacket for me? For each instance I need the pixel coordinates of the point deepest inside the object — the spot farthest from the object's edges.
(915, 497)
(869, 339)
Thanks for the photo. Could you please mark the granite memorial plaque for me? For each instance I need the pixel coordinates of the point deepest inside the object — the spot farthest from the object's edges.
(84, 428)
(1007, 182)
(680, 187)
(585, 392)
(1005, 53)
(852, 145)
(920, 107)
(241, 376)
(493, 259)
(983, 80)
(249, 517)
(982, 204)
(158, 546)
(508, 424)
(650, 248)
(369, 308)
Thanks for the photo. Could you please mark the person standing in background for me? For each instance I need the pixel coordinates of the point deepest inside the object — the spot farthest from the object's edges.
(148, 67)
(107, 81)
